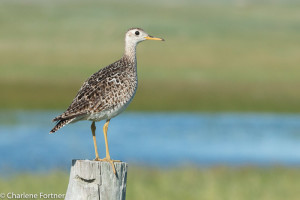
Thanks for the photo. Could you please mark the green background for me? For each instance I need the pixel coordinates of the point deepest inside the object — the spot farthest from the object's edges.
(218, 55)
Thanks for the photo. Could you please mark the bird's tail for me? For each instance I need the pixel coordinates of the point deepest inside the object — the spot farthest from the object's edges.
(61, 123)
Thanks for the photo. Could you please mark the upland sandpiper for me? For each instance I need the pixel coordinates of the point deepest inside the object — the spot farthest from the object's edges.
(107, 92)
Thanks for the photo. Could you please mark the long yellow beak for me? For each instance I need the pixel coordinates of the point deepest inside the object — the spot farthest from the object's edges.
(153, 38)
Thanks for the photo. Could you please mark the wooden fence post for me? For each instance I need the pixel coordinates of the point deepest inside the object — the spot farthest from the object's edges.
(91, 180)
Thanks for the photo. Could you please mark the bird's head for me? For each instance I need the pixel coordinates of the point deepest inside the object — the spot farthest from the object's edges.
(136, 35)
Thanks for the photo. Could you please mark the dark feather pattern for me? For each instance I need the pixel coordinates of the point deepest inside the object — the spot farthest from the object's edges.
(106, 89)
(60, 124)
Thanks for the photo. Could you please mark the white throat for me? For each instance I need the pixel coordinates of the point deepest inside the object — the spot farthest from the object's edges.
(130, 49)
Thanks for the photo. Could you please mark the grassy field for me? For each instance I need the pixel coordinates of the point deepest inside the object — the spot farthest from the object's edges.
(188, 183)
(217, 56)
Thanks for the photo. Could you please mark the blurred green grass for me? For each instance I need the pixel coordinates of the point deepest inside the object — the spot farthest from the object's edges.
(217, 183)
(217, 56)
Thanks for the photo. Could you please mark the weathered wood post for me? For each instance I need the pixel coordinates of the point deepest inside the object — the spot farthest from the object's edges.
(91, 180)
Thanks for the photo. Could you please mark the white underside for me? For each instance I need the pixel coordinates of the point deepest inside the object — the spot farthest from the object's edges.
(107, 114)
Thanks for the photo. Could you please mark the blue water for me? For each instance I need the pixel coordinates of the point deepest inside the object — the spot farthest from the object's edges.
(155, 139)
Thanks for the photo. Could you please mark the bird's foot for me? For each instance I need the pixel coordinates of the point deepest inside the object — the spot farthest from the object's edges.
(97, 159)
(107, 159)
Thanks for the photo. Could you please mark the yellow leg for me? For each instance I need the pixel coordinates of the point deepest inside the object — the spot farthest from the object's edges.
(93, 127)
(107, 158)
(105, 127)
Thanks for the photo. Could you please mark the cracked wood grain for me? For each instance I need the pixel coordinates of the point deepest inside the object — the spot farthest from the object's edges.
(91, 180)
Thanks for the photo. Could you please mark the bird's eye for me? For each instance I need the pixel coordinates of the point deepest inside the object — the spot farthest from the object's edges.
(137, 33)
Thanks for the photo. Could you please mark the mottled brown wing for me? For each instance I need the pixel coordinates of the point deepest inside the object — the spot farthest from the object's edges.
(88, 97)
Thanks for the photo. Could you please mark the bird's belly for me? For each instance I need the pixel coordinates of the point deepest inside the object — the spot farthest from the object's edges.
(113, 111)
(107, 114)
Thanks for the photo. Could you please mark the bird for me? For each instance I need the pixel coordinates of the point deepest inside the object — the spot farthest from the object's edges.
(107, 93)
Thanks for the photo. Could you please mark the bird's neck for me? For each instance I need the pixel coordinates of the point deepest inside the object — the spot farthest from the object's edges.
(130, 51)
